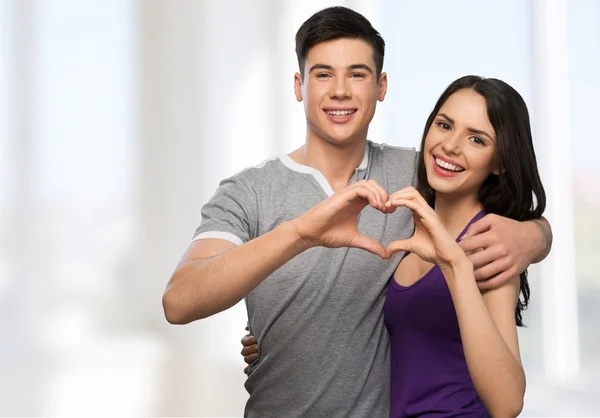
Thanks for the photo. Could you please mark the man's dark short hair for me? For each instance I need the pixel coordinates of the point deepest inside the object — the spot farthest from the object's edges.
(338, 23)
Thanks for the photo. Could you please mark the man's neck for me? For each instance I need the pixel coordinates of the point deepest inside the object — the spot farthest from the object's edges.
(336, 163)
(455, 212)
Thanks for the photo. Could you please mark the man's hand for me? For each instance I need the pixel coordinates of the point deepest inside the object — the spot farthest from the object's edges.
(502, 248)
(249, 350)
(333, 223)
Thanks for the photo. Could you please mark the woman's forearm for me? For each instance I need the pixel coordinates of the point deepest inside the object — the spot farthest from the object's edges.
(496, 373)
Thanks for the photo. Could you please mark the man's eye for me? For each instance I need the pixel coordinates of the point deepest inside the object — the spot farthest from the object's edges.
(322, 75)
(357, 75)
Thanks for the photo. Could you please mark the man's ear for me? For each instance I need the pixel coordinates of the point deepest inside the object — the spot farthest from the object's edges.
(298, 86)
(382, 86)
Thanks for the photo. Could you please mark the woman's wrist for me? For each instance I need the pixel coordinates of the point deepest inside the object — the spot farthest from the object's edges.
(457, 266)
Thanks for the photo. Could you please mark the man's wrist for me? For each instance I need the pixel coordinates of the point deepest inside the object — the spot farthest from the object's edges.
(542, 228)
(298, 240)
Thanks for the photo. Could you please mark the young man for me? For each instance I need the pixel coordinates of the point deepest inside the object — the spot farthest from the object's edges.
(290, 236)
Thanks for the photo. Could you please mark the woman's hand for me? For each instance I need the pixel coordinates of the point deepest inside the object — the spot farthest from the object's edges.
(431, 241)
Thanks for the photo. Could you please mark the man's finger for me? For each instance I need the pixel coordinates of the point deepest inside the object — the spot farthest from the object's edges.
(251, 349)
(382, 193)
(377, 193)
(246, 369)
(251, 358)
(475, 242)
(368, 244)
(492, 269)
(378, 186)
(484, 257)
(482, 225)
(248, 340)
(495, 281)
(369, 193)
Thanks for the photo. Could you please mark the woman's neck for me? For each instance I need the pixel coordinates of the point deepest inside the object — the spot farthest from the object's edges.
(456, 212)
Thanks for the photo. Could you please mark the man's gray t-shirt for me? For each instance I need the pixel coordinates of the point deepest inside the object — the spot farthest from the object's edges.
(318, 319)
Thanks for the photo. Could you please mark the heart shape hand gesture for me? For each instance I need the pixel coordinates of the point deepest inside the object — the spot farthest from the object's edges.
(333, 223)
(431, 241)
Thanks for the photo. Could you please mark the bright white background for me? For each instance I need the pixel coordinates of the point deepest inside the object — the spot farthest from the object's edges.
(118, 119)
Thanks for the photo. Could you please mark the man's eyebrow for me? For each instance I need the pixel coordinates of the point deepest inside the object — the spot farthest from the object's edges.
(350, 67)
(360, 67)
(320, 67)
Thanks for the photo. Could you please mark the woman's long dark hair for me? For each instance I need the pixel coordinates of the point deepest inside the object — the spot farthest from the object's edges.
(511, 192)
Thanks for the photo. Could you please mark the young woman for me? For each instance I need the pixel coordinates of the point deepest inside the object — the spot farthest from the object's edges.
(454, 349)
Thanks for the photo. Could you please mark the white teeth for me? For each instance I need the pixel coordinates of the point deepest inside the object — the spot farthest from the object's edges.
(447, 165)
(340, 112)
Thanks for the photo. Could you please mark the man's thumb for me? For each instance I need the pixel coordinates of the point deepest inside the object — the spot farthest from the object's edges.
(368, 244)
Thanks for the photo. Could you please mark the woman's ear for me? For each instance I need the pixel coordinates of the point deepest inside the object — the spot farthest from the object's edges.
(497, 171)
(497, 168)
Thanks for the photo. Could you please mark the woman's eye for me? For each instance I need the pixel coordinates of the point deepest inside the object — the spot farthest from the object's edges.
(444, 125)
(477, 140)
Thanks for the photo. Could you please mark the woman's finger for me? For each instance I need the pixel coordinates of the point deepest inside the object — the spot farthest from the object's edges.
(412, 204)
(397, 246)
(412, 193)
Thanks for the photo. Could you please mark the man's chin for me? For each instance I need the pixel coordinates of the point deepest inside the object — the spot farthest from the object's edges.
(346, 140)
(346, 137)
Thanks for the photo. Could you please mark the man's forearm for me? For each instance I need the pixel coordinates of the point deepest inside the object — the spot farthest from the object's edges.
(203, 287)
(546, 235)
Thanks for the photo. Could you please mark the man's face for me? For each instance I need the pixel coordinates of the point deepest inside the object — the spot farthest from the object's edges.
(340, 90)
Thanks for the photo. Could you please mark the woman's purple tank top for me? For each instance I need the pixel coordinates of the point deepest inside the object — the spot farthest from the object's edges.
(429, 375)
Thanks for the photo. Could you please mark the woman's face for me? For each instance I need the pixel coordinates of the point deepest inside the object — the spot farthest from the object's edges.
(460, 146)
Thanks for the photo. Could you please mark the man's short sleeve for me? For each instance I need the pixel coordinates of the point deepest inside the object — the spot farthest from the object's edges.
(415, 181)
(230, 214)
